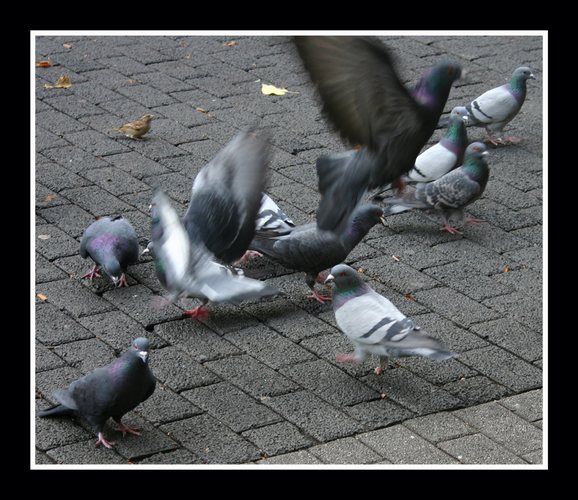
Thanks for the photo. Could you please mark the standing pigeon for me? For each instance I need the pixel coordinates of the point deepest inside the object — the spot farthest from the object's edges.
(226, 196)
(443, 156)
(111, 242)
(186, 268)
(310, 249)
(374, 324)
(110, 391)
(366, 101)
(452, 192)
(495, 108)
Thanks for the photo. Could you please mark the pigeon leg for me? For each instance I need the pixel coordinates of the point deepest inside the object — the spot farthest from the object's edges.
(93, 273)
(122, 281)
(318, 297)
(346, 358)
(399, 185)
(511, 140)
(125, 428)
(201, 312)
(103, 442)
(383, 365)
(249, 254)
(450, 229)
(471, 220)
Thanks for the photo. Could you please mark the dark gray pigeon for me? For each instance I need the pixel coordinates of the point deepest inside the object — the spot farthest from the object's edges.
(365, 100)
(310, 249)
(374, 324)
(186, 268)
(226, 196)
(111, 242)
(495, 108)
(110, 391)
(451, 193)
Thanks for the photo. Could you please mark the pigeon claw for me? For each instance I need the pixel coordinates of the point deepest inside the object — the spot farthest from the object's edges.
(471, 220)
(318, 297)
(378, 370)
(450, 229)
(125, 428)
(103, 442)
(121, 281)
(201, 313)
(248, 255)
(93, 273)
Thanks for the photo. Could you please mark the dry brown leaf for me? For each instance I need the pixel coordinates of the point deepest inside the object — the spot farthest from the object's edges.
(67, 45)
(62, 83)
(506, 269)
(360, 270)
(132, 81)
(231, 43)
(409, 296)
(383, 395)
(43, 236)
(202, 110)
(50, 197)
(43, 64)
(395, 257)
(41, 296)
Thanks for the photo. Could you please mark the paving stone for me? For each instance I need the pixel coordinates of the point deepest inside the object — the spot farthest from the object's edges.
(46, 271)
(57, 178)
(137, 165)
(251, 376)
(231, 406)
(72, 219)
(95, 143)
(165, 406)
(55, 327)
(73, 297)
(527, 405)
(73, 106)
(439, 427)
(276, 439)
(46, 359)
(124, 65)
(149, 442)
(178, 371)
(378, 413)
(503, 426)
(477, 389)
(400, 446)
(41, 458)
(116, 181)
(180, 456)
(345, 451)
(479, 449)
(297, 457)
(86, 355)
(211, 441)
(75, 160)
(57, 122)
(535, 457)
(314, 416)
(526, 281)
(85, 452)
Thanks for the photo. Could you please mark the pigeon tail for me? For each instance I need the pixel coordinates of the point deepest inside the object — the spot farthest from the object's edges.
(55, 411)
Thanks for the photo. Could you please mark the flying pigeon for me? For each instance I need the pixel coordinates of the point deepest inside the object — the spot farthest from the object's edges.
(186, 268)
(366, 101)
(451, 193)
(111, 242)
(226, 196)
(310, 249)
(495, 108)
(110, 391)
(374, 324)
(443, 156)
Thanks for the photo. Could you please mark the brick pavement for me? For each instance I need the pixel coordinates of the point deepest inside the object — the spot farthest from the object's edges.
(259, 383)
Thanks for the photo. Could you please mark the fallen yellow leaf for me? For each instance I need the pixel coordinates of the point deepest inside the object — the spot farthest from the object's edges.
(50, 197)
(43, 64)
(67, 45)
(231, 43)
(41, 296)
(62, 83)
(272, 90)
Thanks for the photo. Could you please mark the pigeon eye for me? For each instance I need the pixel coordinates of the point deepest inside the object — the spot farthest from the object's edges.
(342, 274)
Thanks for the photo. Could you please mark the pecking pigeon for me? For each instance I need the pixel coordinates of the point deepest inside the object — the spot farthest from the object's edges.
(226, 196)
(111, 242)
(452, 192)
(366, 101)
(374, 324)
(186, 268)
(310, 249)
(495, 108)
(110, 391)
(443, 156)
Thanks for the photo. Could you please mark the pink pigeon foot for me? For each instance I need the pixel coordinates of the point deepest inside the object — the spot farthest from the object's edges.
(93, 273)
(201, 313)
(125, 428)
(378, 370)
(103, 442)
(248, 255)
(121, 281)
(450, 229)
(471, 220)
(318, 297)
(345, 358)
(511, 140)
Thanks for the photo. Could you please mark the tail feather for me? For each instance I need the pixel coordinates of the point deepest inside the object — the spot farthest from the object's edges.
(55, 411)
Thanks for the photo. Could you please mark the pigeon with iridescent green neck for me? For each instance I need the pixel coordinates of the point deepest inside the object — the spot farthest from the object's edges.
(495, 108)
(375, 325)
(112, 244)
(451, 193)
(110, 391)
(364, 98)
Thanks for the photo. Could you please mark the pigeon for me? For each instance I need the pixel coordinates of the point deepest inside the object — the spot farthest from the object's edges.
(226, 196)
(186, 268)
(110, 391)
(136, 129)
(374, 324)
(111, 242)
(452, 192)
(366, 101)
(310, 249)
(495, 108)
(271, 220)
(443, 156)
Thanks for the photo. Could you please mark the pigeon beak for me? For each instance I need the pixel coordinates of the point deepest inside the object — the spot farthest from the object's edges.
(382, 220)
(465, 119)
(146, 250)
(485, 153)
(143, 355)
(330, 279)
(532, 77)
(114, 279)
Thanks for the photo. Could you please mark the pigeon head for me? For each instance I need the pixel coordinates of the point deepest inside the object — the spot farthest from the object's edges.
(523, 73)
(344, 277)
(475, 165)
(476, 150)
(434, 87)
(141, 347)
(459, 112)
(112, 267)
(365, 217)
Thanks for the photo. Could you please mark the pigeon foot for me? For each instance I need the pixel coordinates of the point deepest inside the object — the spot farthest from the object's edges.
(450, 229)
(125, 428)
(248, 255)
(103, 442)
(93, 273)
(201, 313)
(318, 297)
